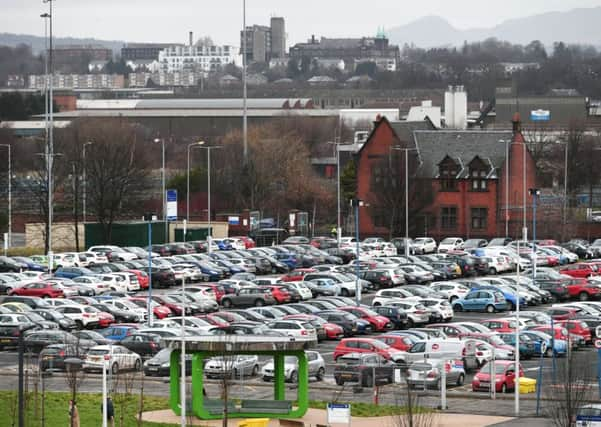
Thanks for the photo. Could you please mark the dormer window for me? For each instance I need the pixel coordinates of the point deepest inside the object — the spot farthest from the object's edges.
(448, 170)
(478, 172)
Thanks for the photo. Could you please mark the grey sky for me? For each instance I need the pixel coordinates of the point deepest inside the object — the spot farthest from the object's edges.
(170, 20)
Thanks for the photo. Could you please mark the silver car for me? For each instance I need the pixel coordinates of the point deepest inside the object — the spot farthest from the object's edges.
(235, 367)
(428, 374)
(317, 367)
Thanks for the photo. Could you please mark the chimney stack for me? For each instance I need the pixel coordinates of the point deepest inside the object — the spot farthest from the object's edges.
(191, 39)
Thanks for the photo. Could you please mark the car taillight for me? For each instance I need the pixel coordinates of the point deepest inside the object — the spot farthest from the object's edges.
(464, 352)
(420, 312)
(86, 315)
(447, 367)
(61, 353)
(479, 353)
(304, 332)
(432, 374)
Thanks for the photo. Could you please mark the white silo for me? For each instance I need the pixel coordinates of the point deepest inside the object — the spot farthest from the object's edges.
(449, 105)
(460, 108)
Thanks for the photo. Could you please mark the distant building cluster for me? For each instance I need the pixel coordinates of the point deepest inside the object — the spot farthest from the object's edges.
(184, 78)
(264, 43)
(197, 58)
(78, 81)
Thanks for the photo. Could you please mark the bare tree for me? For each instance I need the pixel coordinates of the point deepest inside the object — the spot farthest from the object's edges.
(570, 391)
(415, 415)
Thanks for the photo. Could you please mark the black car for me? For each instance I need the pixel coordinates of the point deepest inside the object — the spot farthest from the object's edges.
(367, 369)
(345, 254)
(53, 356)
(162, 277)
(579, 249)
(8, 265)
(37, 340)
(146, 345)
(346, 321)
(397, 316)
(121, 316)
(64, 322)
(86, 334)
(33, 302)
(160, 366)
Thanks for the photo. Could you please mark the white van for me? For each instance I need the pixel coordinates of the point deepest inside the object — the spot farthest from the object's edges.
(440, 349)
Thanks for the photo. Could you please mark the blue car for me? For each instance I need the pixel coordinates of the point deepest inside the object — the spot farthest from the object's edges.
(489, 300)
(508, 294)
(31, 264)
(559, 347)
(72, 272)
(118, 332)
(233, 269)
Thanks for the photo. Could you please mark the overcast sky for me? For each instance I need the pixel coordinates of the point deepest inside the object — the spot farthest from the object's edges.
(170, 20)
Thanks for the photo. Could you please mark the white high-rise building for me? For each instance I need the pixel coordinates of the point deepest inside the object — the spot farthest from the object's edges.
(195, 58)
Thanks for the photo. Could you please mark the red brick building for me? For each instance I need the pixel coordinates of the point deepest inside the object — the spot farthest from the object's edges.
(458, 181)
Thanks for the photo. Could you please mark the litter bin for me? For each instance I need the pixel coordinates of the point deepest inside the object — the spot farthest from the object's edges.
(254, 422)
(527, 385)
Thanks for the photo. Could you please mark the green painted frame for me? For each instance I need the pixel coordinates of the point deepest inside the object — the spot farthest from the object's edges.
(279, 392)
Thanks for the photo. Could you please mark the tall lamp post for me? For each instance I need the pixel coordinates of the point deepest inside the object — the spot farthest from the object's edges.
(244, 91)
(50, 126)
(406, 151)
(85, 185)
(357, 203)
(336, 144)
(190, 146)
(164, 209)
(10, 178)
(208, 148)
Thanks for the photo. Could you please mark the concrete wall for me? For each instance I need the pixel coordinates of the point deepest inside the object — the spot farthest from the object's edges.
(63, 235)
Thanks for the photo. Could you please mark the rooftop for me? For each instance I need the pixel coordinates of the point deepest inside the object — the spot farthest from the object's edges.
(238, 343)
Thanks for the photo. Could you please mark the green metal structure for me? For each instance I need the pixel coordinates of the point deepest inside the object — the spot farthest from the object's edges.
(125, 234)
(202, 348)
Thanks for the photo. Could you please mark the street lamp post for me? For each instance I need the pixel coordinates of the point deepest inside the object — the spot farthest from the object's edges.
(162, 141)
(406, 151)
(10, 178)
(85, 185)
(50, 127)
(208, 148)
(244, 90)
(357, 203)
(188, 182)
(336, 144)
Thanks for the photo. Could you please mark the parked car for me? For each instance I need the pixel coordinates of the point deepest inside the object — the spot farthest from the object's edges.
(365, 345)
(119, 358)
(367, 369)
(481, 300)
(427, 374)
(235, 367)
(249, 297)
(53, 356)
(504, 374)
(316, 369)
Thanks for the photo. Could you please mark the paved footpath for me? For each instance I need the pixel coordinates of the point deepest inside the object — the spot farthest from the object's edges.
(316, 417)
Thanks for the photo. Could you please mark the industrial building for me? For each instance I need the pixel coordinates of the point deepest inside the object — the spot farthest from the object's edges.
(264, 43)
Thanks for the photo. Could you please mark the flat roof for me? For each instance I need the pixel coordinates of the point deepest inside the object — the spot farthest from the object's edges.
(193, 113)
(239, 343)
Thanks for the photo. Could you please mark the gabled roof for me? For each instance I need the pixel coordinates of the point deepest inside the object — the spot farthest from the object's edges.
(461, 146)
(402, 129)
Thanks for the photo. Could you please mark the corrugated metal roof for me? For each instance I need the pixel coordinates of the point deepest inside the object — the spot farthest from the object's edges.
(195, 113)
(197, 103)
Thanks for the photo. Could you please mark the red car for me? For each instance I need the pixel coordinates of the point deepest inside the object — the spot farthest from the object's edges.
(578, 327)
(171, 304)
(142, 278)
(228, 317)
(214, 320)
(559, 332)
(562, 313)
(279, 293)
(333, 332)
(399, 342)
(104, 319)
(379, 323)
(39, 289)
(297, 275)
(504, 377)
(364, 345)
(583, 290)
(581, 269)
(499, 325)
(159, 311)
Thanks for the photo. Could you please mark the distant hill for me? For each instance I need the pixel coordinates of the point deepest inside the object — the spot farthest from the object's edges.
(577, 26)
(37, 42)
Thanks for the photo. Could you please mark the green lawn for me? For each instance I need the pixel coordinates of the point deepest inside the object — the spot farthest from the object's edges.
(88, 404)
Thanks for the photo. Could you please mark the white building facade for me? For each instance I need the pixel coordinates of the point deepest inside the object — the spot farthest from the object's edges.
(197, 58)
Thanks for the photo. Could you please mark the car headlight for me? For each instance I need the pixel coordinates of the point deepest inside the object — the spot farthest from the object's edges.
(165, 365)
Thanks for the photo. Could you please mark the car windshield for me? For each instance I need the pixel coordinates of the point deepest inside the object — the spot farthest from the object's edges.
(290, 359)
(496, 340)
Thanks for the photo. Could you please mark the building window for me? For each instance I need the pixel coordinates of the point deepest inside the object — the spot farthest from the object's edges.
(478, 173)
(479, 216)
(448, 218)
(448, 170)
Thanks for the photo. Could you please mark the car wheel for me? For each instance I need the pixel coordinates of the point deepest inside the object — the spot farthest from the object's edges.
(137, 365)
(367, 381)
(79, 324)
(293, 377)
(115, 369)
(410, 324)
(460, 380)
(504, 388)
(458, 308)
(549, 352)
(490, 309)
(583, 296)
(266, 379)
(226, 303)
(339, 381)
(510, 306)
(453, 298)
(492, 271)
(235, 374)
(255, 370)
(377, 304)
(259, 303)
(344, 292)
(321, 372)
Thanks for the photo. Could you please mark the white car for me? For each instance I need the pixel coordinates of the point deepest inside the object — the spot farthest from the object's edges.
(294, 329)
(450, 244)
(303, 290)
(246, 264)
(442, 307)
(123, 304)
(93, 282)
(95, 258)
(66, 260)
(417, 313)
(235, 367)
(83, 315)
(113, 357)
(190, 273)
(389, 249)
(424, 245)
(116, 253)
(497, 264)
(10, 281)
(451, 290)
(192, 322)
(385, 295)
(236, 243)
